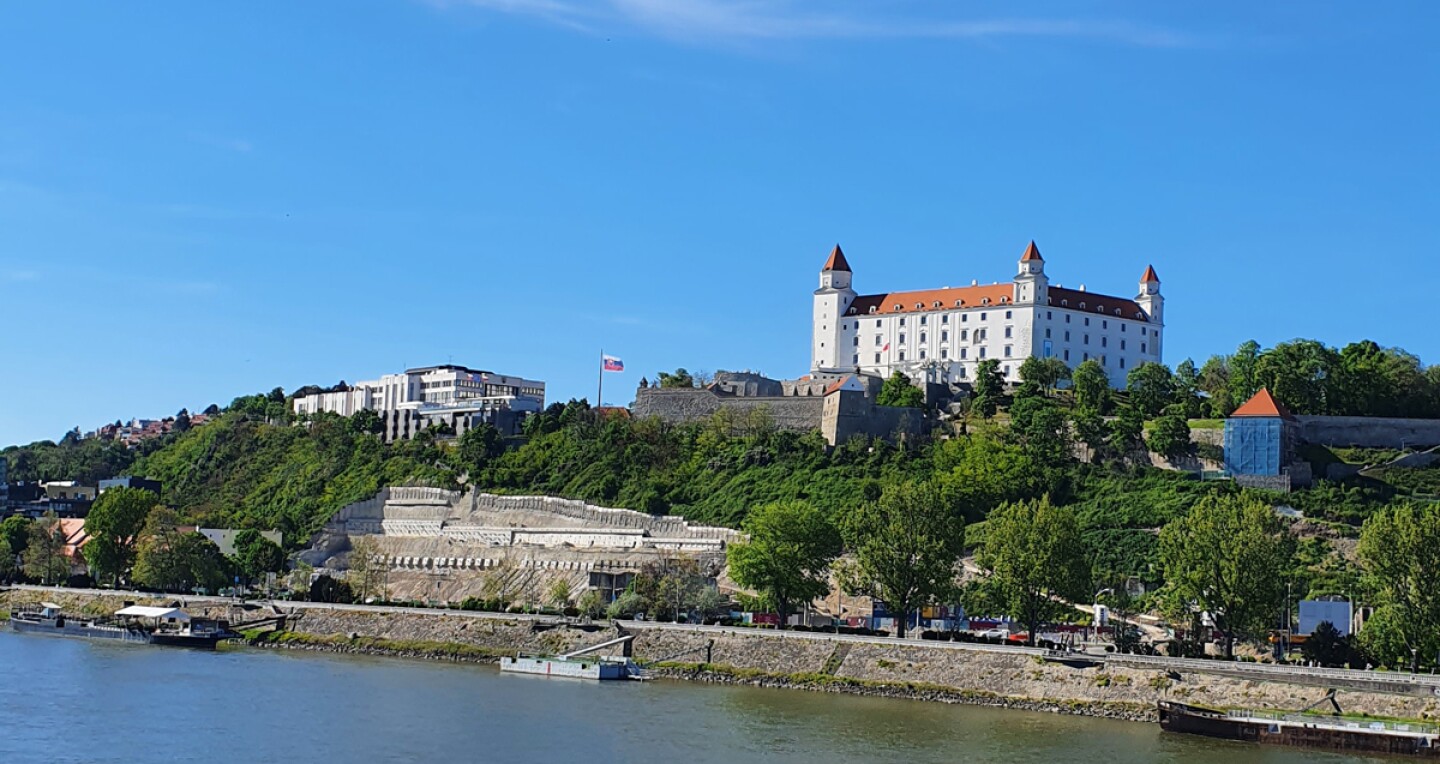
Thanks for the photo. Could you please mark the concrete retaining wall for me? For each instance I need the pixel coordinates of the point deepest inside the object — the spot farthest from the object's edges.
(1369, 432)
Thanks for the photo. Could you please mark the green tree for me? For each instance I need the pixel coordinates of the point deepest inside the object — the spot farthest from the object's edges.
(898, 390)
(1187, 389)
(1092, 430)
(1399, 553)
(114, 525)
(1171, 434)
(1326, 647)
(1037, 559)
(45, 559)
(907, 547)
(1303, 375)
(679, 379)
(559, 593)
(1042, 427)
(787, 555)
(1045, 372)
(256, 555)
(14, 537)
(478, 446)
(1151, 387)
(171, 561)
(1243, 381)
(590, 604)
(1126, 430)
(1228, 557)
(368, 422)
(1092, 386)
(989, 388)
(1215, 381)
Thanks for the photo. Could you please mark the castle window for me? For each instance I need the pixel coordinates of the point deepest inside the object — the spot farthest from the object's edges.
(1087, 320)
(936, 304)
(1142, 347)
(922, 338)
(919, 306)
(1082, 306)
(1047, 332)
(1099, 308)
(964, 334)
(982, 351)
(1067, 336)
(902, 355)
(1067, 318)
(857, 360)
(984, 301)
(872, 310)
(1086, 358)
(899, 307)
(1086, 342)
(964, 353)
(902, 339)
(1104, 342)
(944, 336)
(1104, 324)
(877, 358)
(945, 319)
(877, 339)
(1122, 362)
(1049, 316)
(1122, 344)
(1117, 311)
(1007, 314)
(959, 303)
(982, 316)
(923, 321)
(922, 354)
(1007, 332)
(902, 320)
(961, 372)
(944, 353)
(1065, 304)
(857, 342)
(1004, 300)
(1007, 351)
(1122, 328)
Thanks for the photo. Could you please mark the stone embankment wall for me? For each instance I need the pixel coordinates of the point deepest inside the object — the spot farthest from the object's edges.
(799, 413)
(921, 670)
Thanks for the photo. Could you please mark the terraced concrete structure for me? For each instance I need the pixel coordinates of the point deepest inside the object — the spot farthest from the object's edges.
(444, 545)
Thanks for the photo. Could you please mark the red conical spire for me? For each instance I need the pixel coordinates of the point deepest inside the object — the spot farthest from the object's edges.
(1032, 252)
(837, 261)
(1149, 276)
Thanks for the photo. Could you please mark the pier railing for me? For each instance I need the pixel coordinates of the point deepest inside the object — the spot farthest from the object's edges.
(1339, 722)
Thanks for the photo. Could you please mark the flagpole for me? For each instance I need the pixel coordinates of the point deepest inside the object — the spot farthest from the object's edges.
(600, 390)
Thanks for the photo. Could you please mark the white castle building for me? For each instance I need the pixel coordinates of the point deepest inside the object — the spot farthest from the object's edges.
(941, 335)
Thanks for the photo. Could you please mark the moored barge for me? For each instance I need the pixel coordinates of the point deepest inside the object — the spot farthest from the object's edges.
(137, 623)
(1335, 733)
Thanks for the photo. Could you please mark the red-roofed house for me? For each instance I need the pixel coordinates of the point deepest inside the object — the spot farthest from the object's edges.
(943, 334)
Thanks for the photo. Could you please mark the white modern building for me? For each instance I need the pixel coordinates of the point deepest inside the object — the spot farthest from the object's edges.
(457, 396)
(941, 335)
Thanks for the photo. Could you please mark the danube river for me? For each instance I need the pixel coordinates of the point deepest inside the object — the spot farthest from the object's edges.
(67, 700)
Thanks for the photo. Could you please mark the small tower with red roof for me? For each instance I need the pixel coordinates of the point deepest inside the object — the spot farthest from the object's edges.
(1031, 283)
(1149, 298)
(833, 342)
(1260, 440)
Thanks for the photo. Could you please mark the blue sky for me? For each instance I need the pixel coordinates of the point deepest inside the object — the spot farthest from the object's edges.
(198, 202)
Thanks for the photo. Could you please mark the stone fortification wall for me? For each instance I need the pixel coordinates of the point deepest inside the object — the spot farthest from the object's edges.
(799, 413)
(1369, 432)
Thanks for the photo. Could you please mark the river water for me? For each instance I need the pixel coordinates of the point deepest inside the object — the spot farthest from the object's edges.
(65, 700)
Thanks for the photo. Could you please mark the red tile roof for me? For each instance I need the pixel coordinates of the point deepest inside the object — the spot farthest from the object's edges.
(1095, 302)
(1262, 404)
(1032, 252)
(837, 261)
(1149, 275)
(927, 299)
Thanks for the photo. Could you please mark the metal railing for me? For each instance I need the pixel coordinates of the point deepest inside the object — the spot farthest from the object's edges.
(1338, 722)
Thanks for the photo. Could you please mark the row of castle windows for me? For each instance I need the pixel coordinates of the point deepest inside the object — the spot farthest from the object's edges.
(1064, 303)
(964, 317)
(944, 355)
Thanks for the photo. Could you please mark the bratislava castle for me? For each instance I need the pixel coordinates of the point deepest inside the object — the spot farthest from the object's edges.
(943, 334)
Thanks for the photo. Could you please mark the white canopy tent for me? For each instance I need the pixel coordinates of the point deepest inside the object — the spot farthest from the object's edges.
(158, 613)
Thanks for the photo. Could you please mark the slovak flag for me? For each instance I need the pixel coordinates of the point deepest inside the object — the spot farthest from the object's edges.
(611, 363)
(885, 349)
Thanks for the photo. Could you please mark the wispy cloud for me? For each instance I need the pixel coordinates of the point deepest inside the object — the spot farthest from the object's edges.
(758, 20)
(238, 145)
